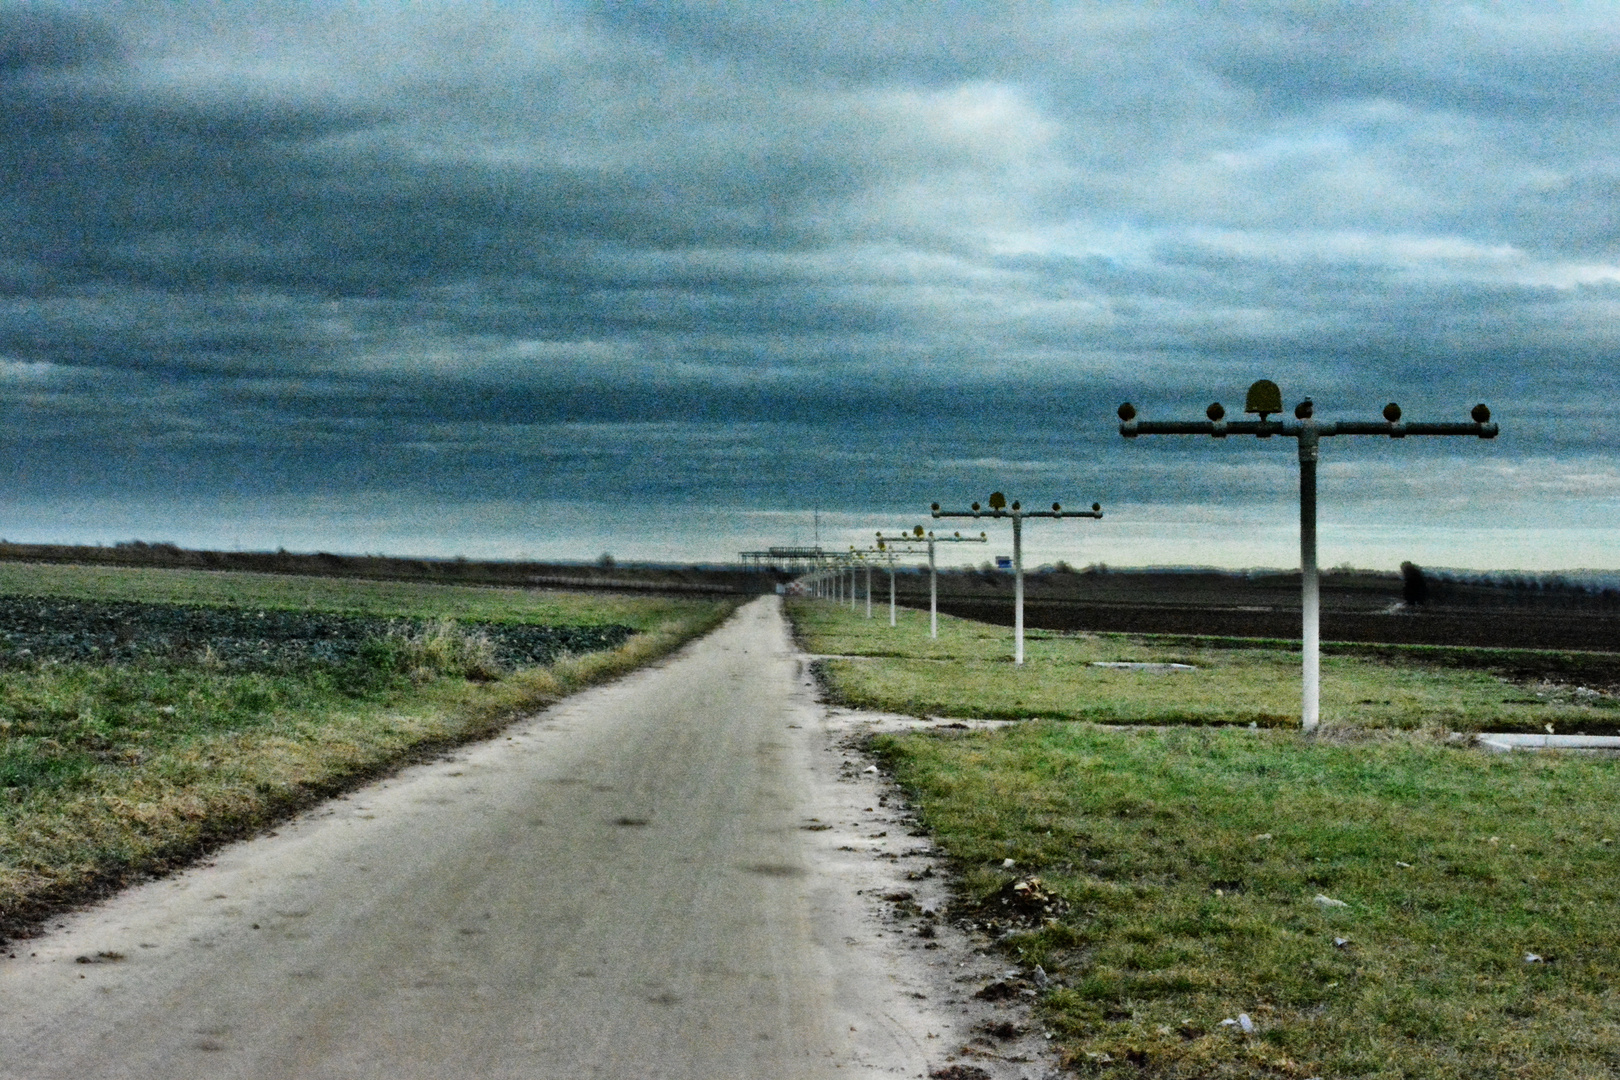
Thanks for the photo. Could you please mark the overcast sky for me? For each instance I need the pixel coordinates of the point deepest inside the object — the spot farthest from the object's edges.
(556, 278)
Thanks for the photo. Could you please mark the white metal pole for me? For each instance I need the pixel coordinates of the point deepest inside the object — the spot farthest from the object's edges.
(868, 590)
(891, 588)
(1310, 584)
(1018, 586)
(933, 593)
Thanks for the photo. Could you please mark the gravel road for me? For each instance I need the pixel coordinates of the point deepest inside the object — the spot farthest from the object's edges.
(675, 875)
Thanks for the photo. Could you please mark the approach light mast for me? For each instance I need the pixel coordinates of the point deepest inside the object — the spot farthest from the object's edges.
(1265, 399)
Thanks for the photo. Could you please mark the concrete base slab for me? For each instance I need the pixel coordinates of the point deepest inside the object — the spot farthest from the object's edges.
(1506, 741)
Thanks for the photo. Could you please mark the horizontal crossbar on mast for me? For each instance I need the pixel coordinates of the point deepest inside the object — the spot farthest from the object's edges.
(1294, 428)
(1012, 513)
(1015, 513)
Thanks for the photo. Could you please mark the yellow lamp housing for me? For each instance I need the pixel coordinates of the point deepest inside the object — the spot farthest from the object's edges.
(1264, 398)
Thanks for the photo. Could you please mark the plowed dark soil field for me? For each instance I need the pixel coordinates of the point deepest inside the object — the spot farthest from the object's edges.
(110, 631)
(1474, 628)
(1355, 608)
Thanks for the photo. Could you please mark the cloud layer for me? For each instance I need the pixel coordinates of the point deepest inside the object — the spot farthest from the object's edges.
(771, 254)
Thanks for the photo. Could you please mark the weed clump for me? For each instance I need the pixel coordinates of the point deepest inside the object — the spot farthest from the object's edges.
(435, 650)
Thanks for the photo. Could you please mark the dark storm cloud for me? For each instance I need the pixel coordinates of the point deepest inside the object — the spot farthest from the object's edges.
(297, 245)
(33, 38)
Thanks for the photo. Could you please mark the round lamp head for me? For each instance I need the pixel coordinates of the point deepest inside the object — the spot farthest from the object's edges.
(1481, 414)
(1216, 411)
(1127, 412)
(1392, 412)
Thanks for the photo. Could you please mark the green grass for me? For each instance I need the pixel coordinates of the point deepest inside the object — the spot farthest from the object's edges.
(1178, 858)
(109, 771)
(212, 588)
(1135, 831)
(968, 672)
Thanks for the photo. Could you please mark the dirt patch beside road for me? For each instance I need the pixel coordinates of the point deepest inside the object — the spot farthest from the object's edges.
(891, 889)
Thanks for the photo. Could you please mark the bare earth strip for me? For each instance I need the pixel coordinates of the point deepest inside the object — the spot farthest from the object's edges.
(628, 885)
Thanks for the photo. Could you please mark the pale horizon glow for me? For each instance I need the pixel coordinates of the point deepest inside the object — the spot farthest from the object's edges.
(1126, 537)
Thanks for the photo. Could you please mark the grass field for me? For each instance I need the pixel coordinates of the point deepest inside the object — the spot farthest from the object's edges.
(968, 672)
(1376, 900)
(387, 598)
(108, 771)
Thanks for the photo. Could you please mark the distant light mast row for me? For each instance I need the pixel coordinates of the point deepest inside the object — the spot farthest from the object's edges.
(1264, 398)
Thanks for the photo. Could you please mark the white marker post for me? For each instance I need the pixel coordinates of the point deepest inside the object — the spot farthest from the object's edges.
(836, 565)
(1265, 398)
(889, 554)
(887, 547)
(933, 573)
(999, 509)
(856, 558)
(868, 588)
